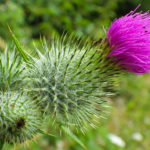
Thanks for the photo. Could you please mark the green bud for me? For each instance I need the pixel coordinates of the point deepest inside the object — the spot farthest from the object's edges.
(11, 70)
(71, 80)
(20, 119)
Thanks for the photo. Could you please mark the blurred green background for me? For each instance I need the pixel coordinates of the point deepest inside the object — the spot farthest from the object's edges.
(127, 126)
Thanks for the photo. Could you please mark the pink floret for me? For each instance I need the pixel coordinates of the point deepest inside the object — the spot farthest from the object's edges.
(129, 39)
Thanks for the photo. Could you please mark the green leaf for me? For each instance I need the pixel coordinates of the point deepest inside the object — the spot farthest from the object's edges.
(73, 136)
(24, 55)
(43, 132)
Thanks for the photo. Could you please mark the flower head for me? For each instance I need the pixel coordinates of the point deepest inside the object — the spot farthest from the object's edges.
(70, 81)
(129, 39)
(20, 118)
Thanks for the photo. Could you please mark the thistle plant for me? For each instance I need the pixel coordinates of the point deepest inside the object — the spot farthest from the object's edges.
(69, 79)
(20, 117)
(11, 70)
(129, 38)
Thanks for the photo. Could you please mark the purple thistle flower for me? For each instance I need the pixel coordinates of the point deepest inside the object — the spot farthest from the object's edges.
(129, 39)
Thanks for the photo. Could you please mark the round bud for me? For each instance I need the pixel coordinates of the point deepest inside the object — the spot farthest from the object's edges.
(70, 82)
(20, 119)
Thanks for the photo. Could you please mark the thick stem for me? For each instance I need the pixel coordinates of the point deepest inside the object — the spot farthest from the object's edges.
(1, 144)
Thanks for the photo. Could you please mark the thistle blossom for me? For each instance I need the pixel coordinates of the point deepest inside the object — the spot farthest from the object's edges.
(129, 39)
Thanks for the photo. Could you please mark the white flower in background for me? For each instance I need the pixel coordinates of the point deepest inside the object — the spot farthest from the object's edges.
(137, 136)
(116, 140)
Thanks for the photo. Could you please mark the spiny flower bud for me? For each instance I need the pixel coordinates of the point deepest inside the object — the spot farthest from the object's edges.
(70, 81)
(20, 119)
(129, 39)
(11, 70)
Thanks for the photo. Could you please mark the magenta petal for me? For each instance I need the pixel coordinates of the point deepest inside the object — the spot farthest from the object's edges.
(129, 39)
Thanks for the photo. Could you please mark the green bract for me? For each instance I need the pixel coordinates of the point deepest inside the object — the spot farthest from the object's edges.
(11, 70)
(70, 81)
(20, 118)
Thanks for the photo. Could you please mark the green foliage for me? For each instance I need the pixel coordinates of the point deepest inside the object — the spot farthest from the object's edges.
(13, 14)
(30, 19)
